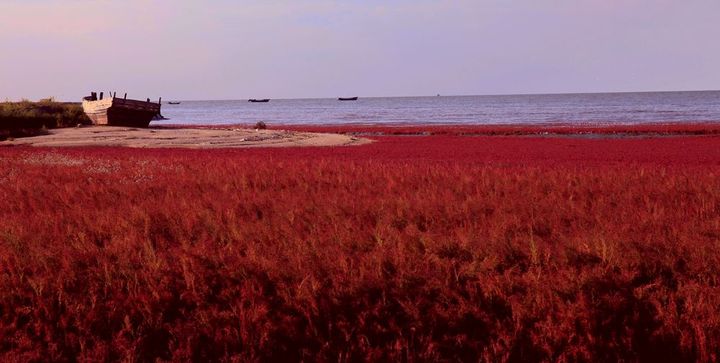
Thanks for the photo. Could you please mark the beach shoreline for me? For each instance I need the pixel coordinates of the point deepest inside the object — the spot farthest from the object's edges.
(182, 138)
(515, 129)
(313, 135)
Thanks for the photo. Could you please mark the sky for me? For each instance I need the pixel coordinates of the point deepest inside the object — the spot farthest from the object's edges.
(234, 49)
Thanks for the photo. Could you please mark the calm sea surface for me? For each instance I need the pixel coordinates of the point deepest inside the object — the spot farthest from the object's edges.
(603, 108)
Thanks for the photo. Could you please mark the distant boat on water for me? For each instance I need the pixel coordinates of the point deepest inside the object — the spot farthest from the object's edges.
(259, 100)
(173, 102)
(347, 98)
(113, 111)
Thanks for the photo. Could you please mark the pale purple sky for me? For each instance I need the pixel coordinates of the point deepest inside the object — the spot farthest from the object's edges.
(225, 49)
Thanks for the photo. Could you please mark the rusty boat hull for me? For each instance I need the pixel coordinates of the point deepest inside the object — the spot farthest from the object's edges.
(113, 111)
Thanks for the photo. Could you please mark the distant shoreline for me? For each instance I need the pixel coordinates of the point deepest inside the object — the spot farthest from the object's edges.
(662, 129)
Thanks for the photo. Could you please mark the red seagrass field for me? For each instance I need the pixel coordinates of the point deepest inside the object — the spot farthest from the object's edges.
(440, 247)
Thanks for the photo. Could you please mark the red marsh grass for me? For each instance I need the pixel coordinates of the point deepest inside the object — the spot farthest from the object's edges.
(407, 249)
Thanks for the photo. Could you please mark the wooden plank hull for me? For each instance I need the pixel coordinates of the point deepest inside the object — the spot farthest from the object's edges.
(121, 112)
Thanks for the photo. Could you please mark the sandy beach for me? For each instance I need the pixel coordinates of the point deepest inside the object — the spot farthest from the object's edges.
(182, 138)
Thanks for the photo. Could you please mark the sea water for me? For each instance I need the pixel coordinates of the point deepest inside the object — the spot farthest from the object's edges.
(595, 108)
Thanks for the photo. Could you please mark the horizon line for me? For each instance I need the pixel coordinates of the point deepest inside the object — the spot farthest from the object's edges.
(411, 96)
(455, 95)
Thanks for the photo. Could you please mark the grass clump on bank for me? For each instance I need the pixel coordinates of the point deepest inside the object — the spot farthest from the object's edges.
(26, 118)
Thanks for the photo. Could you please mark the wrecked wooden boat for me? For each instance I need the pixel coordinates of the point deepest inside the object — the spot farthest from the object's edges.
(113, 111)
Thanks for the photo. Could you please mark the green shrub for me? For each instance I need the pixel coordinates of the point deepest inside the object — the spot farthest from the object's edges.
(27, 117)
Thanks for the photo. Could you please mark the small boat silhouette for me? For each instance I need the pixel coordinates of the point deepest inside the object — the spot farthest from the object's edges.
(173, 102)
(259, 100)
(347, 98)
